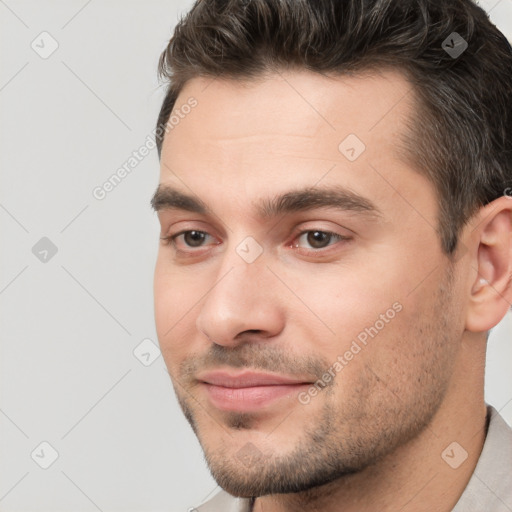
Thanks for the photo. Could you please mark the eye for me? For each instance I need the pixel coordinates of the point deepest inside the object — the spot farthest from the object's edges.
(318, 239)
(185, 241)
(191, 238)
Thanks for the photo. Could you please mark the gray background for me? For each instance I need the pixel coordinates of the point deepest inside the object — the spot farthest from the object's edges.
(70, 323)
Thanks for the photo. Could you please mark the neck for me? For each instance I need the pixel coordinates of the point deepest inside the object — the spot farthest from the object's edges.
(427, 473)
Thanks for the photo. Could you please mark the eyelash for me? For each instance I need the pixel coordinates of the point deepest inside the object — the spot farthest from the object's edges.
(170, 240)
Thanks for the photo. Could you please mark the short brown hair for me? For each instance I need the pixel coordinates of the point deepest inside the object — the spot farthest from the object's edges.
(461, 134)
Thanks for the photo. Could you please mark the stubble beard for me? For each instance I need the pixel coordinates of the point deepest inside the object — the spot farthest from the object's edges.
(344, 438)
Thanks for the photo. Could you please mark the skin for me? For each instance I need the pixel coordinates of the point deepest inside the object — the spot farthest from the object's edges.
(373, 438)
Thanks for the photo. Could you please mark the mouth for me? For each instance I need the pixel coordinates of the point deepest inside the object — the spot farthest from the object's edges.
(249, 391)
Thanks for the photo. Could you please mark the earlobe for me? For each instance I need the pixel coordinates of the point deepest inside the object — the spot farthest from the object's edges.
(491, 291)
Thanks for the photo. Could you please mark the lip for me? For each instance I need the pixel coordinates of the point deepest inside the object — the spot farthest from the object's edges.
(248, 391)
(248, 379)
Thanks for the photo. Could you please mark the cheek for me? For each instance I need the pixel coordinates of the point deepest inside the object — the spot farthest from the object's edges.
(342, 304)
(174, 294)
(174, 300)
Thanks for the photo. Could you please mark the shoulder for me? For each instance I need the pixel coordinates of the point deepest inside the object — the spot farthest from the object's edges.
(224, 502)
(490, 486)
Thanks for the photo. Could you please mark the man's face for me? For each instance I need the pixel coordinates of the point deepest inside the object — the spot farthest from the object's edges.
(346, 287)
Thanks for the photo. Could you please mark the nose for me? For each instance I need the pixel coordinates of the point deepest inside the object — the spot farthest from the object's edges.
(243, 299)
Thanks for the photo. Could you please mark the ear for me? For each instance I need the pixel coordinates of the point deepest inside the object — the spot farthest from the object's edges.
(491, 292)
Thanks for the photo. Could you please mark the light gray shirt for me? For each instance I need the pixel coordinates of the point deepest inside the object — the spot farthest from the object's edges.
(488, 490)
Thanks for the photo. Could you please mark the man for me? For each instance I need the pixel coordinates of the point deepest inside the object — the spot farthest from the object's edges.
(336, 245)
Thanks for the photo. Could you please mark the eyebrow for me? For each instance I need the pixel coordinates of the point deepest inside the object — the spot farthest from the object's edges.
(337, 197)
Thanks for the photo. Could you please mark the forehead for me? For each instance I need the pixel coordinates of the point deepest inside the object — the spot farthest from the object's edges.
(296, 104)
(290, 128)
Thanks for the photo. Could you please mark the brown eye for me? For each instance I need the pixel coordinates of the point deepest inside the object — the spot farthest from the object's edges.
(317, 239)
(193, 238)
(187, 239)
